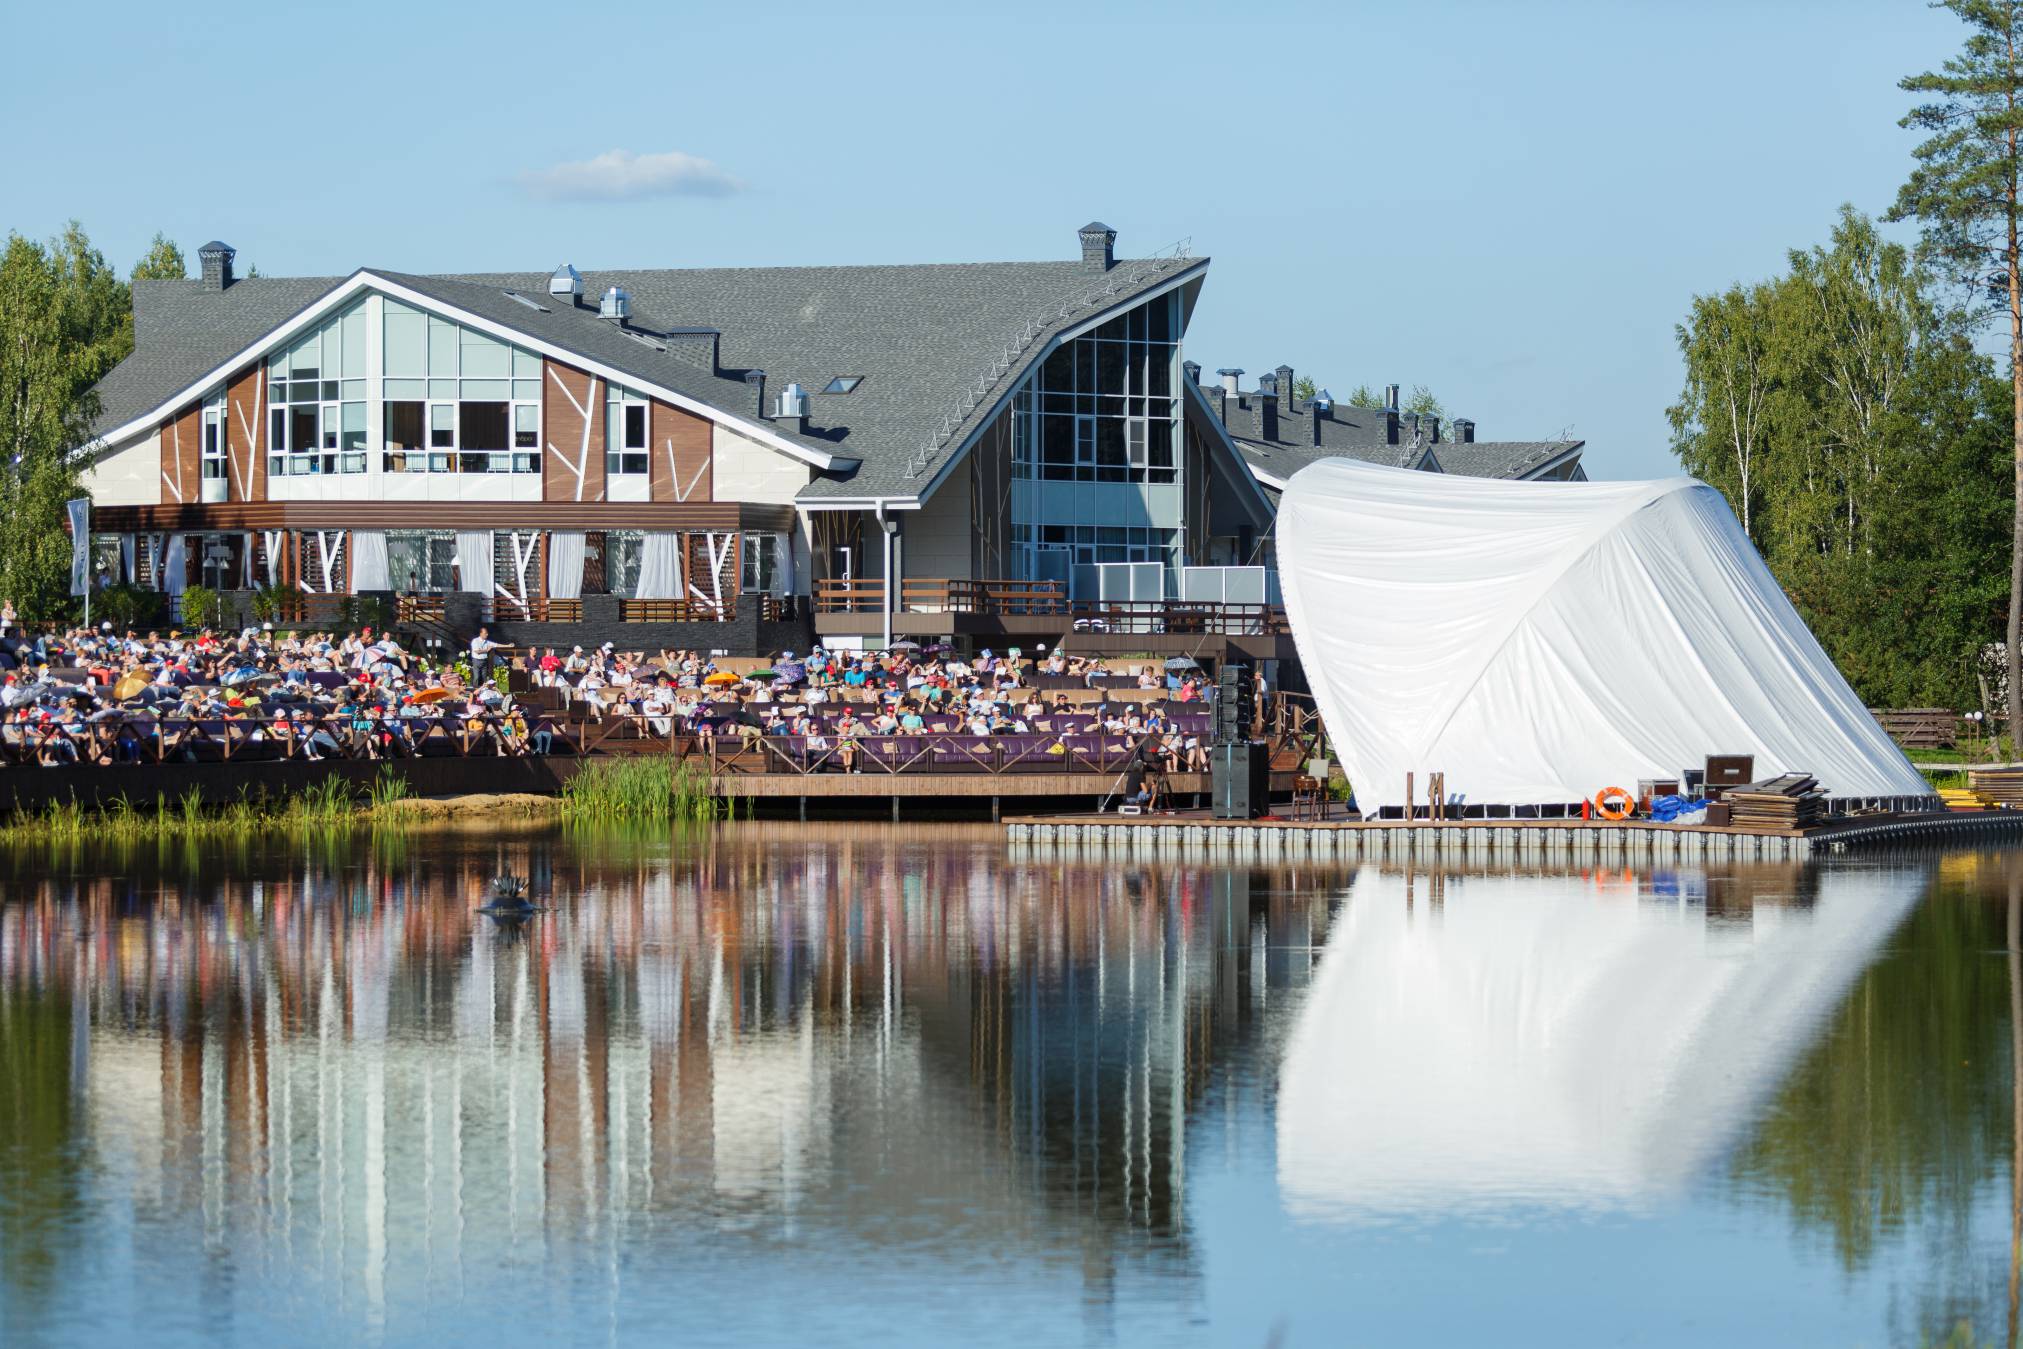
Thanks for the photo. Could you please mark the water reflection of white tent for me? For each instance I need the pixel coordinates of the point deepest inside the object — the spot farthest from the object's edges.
(1539, 1041)
(1539, 641)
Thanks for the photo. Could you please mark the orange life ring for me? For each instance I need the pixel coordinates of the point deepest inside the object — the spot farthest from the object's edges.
(1605, 795)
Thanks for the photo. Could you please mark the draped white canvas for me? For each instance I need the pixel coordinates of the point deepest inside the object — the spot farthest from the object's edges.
(368, 561)
(659, 566)
(565, 564)
(1537, 641)
(474, 560)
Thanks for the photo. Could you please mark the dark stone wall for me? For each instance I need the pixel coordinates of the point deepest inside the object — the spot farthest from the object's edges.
(32, 789)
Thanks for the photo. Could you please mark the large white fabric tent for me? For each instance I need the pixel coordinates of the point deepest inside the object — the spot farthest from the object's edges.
(1536, 642)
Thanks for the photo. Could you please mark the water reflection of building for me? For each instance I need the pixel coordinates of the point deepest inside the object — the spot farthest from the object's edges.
(861, 1035)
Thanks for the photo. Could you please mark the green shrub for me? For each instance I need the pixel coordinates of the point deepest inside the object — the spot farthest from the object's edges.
(276, 602)
(203, 607)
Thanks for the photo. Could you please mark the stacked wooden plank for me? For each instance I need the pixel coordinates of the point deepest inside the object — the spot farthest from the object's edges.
(1920, 727)
(1997, 786)
(1792, 801)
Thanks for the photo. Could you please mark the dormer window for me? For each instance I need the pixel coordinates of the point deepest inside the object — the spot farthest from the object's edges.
(843, 384)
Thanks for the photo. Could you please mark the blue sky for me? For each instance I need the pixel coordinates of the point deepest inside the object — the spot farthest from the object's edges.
(1511, 204)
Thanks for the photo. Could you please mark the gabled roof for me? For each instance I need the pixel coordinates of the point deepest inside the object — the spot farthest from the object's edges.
(937, 345)
(1364, 434)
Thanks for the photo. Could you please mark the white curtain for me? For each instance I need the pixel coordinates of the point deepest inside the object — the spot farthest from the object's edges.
(368, 561)
(126, 571)
(474, 560)
(156, 543)
(565, 565)
(246, 581)
(659, 566)
(175, 572)
(785, 582)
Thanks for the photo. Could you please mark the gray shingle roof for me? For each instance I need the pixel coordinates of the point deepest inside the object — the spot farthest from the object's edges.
(1366, 434)
(937, 345)
(182, 332)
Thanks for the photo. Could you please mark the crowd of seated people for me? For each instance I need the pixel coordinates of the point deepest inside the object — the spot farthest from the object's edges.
(94, 695)
(833, 708)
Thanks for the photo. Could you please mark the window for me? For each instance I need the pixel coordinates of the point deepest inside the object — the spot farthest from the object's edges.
(419, 559)
(761, 563)
(843, 384)
(625, 420)
(1103, 408)
(622, 551)
(1087, 544)
(316, 392)
(215, 422)
(479, 397)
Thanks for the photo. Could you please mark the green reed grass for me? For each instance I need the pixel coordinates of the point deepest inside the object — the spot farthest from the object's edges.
(648, 788)
(328, 805)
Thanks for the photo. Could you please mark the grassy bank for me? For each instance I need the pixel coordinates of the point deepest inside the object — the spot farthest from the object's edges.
(327, 806)
(646, 788)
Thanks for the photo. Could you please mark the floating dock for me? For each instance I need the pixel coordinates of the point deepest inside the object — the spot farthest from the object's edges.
(1571, 840)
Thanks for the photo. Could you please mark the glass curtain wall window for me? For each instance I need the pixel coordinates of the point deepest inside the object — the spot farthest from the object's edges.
(1105, 407)
(419, 559)
(1087, 544)
(623, 549)
(457, 400)
(316, 395)
(625, 422)
(761, 563)
(216, 419)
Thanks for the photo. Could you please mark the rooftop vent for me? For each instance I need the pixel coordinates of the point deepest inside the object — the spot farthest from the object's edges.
(566, 280)
(793, 408)
(518, 298)
(216, 258)
(1099, 243)
(1229, 379)
(1391, 397)
(757, 379)
(616, 306)
(1325, 401)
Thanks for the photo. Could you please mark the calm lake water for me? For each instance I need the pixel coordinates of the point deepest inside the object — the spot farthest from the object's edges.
(826, 1085)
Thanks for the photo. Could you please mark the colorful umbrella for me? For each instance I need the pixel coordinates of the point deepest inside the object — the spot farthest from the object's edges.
(434, 695)
(721, 679)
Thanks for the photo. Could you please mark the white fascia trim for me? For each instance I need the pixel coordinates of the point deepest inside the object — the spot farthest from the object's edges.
(1571, 452)
(860, 504)
(1131, 301)
(1249, 474)
(1271, 480)
(367, 281)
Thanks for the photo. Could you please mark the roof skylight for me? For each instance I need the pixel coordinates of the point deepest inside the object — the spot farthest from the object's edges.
(515, 295)
(843, 384)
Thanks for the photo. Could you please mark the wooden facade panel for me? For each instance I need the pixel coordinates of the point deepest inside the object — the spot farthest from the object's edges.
(681, 455)
(246, 434)
(182, 456)
(724, 516)
(572, 434)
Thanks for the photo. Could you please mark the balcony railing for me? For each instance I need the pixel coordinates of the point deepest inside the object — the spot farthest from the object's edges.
(1022, 599)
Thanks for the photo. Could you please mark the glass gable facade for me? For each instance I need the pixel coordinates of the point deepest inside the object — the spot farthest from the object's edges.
(1096, 438)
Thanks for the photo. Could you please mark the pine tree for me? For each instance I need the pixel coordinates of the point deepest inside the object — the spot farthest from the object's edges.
(1964, 193)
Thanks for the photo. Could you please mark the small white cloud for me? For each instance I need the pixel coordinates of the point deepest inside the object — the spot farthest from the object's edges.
(620, 175)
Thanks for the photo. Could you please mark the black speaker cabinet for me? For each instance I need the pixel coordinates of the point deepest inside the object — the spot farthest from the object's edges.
(1239, 778)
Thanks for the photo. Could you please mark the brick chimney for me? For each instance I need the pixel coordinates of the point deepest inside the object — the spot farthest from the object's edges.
(1099, 243)
(1285, 391)
(1267, 412)
(1464, 431)
(217, 264)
